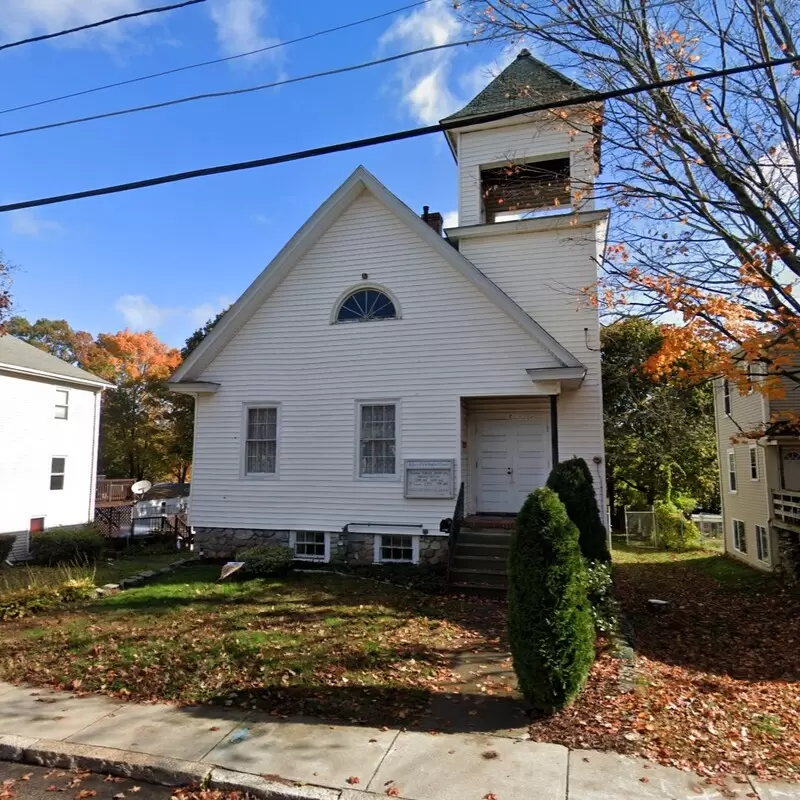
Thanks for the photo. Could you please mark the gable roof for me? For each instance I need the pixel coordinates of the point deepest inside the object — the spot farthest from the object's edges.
(24, 358)
(526, 81)
(311, 232)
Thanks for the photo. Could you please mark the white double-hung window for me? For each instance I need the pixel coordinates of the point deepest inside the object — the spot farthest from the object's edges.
(261, 440)
(62, 404)
(377, 440)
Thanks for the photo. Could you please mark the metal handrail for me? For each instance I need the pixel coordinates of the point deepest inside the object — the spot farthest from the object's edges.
(455, 529)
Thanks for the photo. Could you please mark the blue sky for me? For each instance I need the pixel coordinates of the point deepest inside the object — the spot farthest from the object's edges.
(167, 258)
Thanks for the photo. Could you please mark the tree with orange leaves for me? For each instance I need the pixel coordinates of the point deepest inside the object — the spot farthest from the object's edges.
(135, 431)
(703, 177)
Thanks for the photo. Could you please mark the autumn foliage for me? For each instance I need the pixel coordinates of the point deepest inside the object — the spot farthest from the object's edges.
(702, 178)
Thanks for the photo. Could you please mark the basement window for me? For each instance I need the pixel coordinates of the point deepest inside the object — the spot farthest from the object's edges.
(396, 549)
(517, 191)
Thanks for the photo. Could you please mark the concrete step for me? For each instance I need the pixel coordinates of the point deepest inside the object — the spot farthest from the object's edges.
(480, 550)
(480, 562)
(478, 577)
(472, 536)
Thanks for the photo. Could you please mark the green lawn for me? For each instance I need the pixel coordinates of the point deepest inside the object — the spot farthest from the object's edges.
(318, 644)
(106, 570)
(726, 571)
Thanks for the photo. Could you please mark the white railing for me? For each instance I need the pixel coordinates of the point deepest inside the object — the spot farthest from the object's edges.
(786, 506)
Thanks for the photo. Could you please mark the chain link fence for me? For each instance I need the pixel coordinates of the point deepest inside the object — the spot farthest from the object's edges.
(641, 529)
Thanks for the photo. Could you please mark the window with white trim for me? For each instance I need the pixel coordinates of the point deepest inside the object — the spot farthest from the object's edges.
(377, 440)
(310, 545)
(58, 466)
(365, 305)
(731, 471)
(394, 548)
(261, 440)
(762, 543)
(62, 404)
(753, 463)
(739, 536)
(726, 396)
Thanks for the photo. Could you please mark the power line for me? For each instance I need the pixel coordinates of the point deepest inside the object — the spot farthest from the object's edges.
(246, 90)
(100, 23)
(304, 38)
(411, 133)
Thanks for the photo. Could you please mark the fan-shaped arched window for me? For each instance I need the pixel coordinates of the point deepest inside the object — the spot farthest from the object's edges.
(366, 304)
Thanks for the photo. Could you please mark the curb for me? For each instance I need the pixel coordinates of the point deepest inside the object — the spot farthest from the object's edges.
(162, 771)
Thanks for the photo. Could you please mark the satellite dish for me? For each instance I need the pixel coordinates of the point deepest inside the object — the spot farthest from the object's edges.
(141, 487)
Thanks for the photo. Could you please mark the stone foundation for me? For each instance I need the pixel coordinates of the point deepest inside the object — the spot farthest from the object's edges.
(345, 548)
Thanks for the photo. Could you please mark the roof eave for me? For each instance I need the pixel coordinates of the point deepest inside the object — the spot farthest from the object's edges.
(55, 376)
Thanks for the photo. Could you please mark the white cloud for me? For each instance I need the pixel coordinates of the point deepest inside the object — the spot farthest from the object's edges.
(22, 18)
(240, 25)
(201, 314)
(450, 219)
(141, 314)
(26, 222)
(424, 79)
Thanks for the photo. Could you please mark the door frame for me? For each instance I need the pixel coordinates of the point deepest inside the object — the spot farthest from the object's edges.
(474, 420)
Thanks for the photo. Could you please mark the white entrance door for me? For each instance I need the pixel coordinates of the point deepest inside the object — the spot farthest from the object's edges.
(513, 459)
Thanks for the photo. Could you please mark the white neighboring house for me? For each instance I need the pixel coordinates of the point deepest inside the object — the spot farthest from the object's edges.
(49, 424)
(759, 478)
(375, 366)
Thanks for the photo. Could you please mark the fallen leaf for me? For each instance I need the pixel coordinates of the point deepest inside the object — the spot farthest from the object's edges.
(353, 780)
(85, 793)
(644, 779)
(490, 796)
(490, 754)
(393, 791)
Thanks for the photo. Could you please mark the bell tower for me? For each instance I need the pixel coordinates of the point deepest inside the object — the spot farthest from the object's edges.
(525, 165)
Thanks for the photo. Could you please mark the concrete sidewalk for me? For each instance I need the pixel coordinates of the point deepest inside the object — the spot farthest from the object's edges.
(232, 746)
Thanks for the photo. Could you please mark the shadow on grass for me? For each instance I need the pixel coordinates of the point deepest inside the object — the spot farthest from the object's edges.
(722, 618)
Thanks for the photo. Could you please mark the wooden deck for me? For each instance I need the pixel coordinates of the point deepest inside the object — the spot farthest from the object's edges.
(111, 492)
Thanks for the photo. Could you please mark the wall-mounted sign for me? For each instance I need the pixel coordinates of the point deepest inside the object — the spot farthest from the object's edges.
(430, 478)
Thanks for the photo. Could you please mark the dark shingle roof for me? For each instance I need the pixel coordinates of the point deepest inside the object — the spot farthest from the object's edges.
(526, 81)
(164, 491)
(22, 357)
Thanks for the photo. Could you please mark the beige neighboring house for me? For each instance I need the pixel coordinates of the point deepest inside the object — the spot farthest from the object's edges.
(759, 479)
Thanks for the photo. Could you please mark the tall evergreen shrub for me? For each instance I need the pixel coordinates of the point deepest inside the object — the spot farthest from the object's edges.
(549, 621)
(572, 482)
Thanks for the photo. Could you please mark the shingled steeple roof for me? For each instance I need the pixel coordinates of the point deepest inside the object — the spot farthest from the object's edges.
(526, 81)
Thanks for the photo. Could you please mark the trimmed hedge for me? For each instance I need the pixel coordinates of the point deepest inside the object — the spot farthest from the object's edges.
(600, 589)
(19, 603)
(572, 482)
(266, 560)
(6, 544)
(549, 621)
(67, 546)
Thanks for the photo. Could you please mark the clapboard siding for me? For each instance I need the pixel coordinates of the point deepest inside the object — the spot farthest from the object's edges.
(750, 502)
(547, 273)
(31, 437)
(530, 139)
(790, 402)
(451, 342)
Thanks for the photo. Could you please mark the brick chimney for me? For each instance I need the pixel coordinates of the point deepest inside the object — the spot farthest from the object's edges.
(433, 218)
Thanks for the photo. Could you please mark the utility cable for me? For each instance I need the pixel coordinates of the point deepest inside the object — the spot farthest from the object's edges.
(304, 38)
(89, 26)
(246, 90)
(412, 133)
